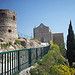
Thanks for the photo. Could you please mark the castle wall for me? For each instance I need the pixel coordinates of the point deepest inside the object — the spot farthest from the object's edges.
(58, 37)
(45, 33)
(8, 24)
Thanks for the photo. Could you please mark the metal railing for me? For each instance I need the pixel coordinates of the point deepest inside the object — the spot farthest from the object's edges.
(17, 60)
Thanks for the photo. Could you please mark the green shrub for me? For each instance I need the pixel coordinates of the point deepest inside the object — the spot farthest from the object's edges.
(52, 58)
(16, 74)
(61, 70)
(36, 71)
(60, 60)
(33, 71)
(19, 37)
(25, 39)
(10, 43)
(34, 39)
(5, 45)
(39, 62)
(17, 42)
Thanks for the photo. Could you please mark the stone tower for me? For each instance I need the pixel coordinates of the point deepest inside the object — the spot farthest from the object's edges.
(8, 25)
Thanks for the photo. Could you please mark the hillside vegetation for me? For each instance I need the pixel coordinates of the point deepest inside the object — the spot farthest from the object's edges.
(19, 44)
(53, 63)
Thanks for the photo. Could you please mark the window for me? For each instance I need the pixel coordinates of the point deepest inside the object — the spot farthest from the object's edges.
(2, 13)
(13, 17)
(42, 39)
(9, 31)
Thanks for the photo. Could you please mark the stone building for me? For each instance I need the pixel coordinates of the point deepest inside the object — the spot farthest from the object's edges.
(8, 25)
(44, 34)
(58, 37)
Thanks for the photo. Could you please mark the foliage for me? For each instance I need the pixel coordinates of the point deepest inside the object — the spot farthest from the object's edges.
(25, 39)
(17, 42)
(70, 44)
(34, 39)
(52, 58)
(51, 42)
(16, 74)
(6, 45)
(19, 37)
(10, 43)
(33, 71)
(61, 70)
(60, 60)
(74, 44)
(61, 46)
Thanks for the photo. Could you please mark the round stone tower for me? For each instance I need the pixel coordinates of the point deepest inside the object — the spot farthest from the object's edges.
(8, 25)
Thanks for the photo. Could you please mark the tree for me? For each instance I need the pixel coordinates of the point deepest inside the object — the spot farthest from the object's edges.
(70, 44)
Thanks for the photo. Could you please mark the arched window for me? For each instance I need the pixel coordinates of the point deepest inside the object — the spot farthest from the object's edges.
(42, 39)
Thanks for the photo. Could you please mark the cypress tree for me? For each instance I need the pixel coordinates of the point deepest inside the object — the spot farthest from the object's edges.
(70, 44)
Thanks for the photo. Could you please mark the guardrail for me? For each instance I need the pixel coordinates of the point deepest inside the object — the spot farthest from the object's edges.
(17, 60)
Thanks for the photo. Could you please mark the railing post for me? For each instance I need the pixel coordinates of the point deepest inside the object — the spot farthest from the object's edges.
(5, 64)
(29, 54)
(36, 54)
(41, 52)
(47, 49)
(18, 61)
(8, 64)
(2, 64)
(12, 62)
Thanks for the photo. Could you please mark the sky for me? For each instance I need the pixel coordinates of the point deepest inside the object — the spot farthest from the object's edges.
(53, 13)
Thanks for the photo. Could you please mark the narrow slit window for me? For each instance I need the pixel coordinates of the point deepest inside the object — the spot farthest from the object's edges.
(13, 17)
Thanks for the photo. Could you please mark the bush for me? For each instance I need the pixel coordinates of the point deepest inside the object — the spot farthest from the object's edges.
(60, 60)
(5, 45)
(17, 42)
(61, 70)
(39, 62)
(10, 43)
(61, 45)
(33, 71)
(16, 74)
(51, 42)
(34, 39)
(49, 60)
(19, 37)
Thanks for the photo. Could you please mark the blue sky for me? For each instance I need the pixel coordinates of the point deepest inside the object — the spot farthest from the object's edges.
(30, 13)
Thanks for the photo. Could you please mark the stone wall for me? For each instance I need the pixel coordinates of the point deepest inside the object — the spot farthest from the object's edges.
(43, 33)
(58, 37)
(8, 24)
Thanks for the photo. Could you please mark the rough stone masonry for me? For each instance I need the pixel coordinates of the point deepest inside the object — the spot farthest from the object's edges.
(44, 34)
(8, 25)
